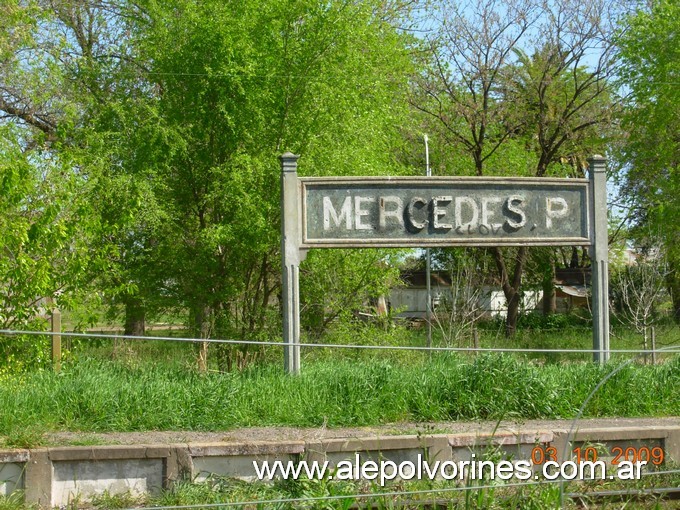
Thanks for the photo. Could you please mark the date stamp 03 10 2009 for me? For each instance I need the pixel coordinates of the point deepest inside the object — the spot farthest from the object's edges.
(651, 456)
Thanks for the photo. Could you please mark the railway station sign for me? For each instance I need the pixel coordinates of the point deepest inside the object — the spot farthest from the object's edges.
(430, 212)
(384, 212)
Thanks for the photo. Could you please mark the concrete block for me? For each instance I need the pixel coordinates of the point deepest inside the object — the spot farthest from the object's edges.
(235, 460)
(233, 466)
(38, 479)
(609, 442)
(439, 448)
(672, 447)
(178, 465)
(503, 445)
(12, 466)
(57, 476)
(250, 448)
(379, 443)
(15, 456)
(72, 453)
(75, 480)
(623, 433)
(11, 477)
(157, 451)
(397, 449)
(501, 438)
(374, 448)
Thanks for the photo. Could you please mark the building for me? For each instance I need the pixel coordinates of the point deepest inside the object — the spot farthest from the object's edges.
(410, 299)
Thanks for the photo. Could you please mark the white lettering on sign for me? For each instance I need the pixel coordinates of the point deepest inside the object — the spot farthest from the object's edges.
(461, 226)
(517, 211)
(329, 213)
(360, 212)
(411, 212)
(395, 211)
(485, 215)
(438, 213)
(552, 213)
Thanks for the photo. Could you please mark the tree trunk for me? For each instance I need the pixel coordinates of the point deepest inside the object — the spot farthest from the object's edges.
(511, 286)
(513, 314)
(574, 258)
(135, 317)
(673, 284)
(203, 327)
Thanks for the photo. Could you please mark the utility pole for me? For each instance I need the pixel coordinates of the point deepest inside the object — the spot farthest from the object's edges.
(428, 307)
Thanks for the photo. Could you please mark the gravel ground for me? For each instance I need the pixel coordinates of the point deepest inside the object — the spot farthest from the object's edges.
(253, 434)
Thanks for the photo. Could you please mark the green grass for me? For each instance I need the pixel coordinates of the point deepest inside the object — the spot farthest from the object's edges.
(102, 396)
(567, 333)
(15, 501)
(561, 332)
(341, 495)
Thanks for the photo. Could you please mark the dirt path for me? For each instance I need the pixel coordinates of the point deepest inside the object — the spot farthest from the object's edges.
(305, 434)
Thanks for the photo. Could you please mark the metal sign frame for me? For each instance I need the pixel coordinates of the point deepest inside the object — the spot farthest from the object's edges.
(296, 238)
(580, 187)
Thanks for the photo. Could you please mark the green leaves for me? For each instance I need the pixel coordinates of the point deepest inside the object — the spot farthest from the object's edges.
(148, 135)
(43, 236)
(648, 44)
(243, 83)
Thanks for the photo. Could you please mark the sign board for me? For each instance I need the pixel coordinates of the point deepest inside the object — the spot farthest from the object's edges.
(339, 212)
(430, 212)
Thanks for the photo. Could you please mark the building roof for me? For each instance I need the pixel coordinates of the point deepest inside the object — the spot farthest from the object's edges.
(573, 276)
(580, 291)
(419, 278)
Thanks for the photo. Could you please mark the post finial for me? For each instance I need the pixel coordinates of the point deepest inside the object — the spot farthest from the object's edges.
(288, 162)
(597, 163)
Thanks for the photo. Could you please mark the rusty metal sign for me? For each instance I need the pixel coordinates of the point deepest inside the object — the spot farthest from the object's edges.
(430, 212)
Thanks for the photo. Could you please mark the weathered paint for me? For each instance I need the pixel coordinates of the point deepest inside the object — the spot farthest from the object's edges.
(369, 212)
(11, 477)
(599, 256)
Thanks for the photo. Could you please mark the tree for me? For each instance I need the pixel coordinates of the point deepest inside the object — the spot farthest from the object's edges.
(68, 74)
(43, 243)
(330, 291)
(50, 231)
(514, 110)
(648, 43)
(639, 291)
(461, 309)
(242, 84)
(174, 115)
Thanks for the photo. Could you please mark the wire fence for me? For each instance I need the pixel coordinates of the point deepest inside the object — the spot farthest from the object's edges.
(9, 332)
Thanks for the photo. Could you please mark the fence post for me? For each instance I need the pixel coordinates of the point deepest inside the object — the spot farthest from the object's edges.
(56, 339)
(599, 256)
(290, 255)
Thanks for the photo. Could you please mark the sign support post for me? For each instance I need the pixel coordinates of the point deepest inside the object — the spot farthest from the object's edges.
(56, 339)
(599, 254)
(291, 258)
